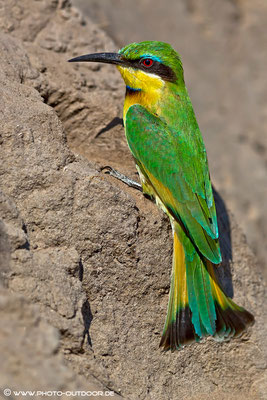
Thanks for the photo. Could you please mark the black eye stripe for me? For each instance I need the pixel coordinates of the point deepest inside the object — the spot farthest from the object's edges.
(157, 68)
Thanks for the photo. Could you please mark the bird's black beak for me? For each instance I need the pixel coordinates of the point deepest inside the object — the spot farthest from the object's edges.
(109, 58)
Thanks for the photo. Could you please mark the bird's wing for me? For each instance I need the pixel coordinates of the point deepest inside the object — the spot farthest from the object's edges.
(178, 173)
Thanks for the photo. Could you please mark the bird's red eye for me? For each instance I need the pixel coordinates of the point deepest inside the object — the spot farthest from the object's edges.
(147, 62)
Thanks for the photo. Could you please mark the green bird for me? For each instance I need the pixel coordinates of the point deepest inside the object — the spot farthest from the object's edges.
(170, 156)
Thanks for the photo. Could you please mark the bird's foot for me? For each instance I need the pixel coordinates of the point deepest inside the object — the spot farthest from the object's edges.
(110, 171)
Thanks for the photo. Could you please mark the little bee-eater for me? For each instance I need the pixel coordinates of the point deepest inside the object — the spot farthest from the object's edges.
(170, 156)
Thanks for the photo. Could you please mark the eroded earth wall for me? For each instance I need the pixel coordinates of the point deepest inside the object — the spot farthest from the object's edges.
(85, 261)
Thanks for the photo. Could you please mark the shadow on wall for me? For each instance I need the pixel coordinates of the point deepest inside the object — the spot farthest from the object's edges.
(87, 320)
(223, 272)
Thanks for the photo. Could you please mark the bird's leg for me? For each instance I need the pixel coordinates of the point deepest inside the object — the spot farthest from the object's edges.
(110, 171)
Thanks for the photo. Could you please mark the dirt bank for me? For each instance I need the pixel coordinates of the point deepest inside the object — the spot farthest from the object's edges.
(85, 261)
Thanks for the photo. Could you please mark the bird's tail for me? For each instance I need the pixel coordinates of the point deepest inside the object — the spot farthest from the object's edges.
(197, 305)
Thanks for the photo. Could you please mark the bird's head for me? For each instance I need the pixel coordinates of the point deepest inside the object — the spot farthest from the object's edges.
(144, 66)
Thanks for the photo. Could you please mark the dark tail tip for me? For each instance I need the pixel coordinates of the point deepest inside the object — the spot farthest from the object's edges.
(232, 321)
(179, 332)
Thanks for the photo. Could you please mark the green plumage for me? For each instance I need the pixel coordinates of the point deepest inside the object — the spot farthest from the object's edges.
(155, 146)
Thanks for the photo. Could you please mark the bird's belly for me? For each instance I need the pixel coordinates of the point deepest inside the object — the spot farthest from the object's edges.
(149, 190)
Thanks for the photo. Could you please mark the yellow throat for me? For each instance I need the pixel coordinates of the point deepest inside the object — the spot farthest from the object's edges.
(144, 89)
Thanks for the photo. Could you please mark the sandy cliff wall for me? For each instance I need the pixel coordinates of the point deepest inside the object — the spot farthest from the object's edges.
(85, 261)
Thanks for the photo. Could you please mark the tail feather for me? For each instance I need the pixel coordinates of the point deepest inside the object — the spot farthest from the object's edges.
(178, 329)
(200, 297)
(197, 305)
(236, 319)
